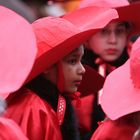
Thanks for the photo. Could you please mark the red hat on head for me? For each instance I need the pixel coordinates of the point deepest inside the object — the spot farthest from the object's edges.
(121, 91)
(56, 38)
(91, 17)
(17, 48)
(127, 12)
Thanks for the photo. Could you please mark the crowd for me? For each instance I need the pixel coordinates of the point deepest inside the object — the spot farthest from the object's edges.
(70, 75)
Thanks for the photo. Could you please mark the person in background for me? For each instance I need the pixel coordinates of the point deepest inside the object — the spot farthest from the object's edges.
(114, 36)
(17, 55)
(42, 108)
(120, 101)
(106, 50)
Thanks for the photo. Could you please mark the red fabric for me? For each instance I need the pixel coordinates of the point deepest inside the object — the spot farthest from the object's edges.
(84, 111)
(35, 116)
(56, 38)
(92, 82)
(61, 108)
(123, 8)
(10, 130)
(111, 130)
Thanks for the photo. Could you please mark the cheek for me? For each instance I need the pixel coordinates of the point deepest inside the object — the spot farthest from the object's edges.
(97, 44)
(122, 44)
(67, 75)
(67, 83)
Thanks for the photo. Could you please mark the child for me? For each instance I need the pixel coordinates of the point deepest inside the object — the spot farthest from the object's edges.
(108, 46)
(106, 50)
(43, 108)
(17, 55)
(120, 100)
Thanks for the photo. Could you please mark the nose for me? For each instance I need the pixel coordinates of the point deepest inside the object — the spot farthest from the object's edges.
(112, 38)
(81, 69)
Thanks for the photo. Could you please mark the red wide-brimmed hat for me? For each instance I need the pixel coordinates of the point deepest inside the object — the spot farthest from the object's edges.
(92, 17)
(121, 91)
(56, 38)
(126, 11)
(18, 50)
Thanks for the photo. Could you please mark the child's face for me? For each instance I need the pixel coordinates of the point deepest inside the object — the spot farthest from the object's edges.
(73, 70)
(109, 42)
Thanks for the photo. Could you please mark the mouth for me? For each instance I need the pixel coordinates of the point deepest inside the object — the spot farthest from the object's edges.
(77, 83)
(111, 51)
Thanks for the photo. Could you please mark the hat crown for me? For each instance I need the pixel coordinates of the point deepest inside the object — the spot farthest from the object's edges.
(135, 64)
(104, 3)
(48, 30)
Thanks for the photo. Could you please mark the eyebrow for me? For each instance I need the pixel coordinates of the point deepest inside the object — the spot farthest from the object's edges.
(75, 55)
(125, 24)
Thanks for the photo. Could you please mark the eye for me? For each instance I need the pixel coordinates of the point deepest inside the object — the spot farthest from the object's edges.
(105, 31)
(120, 31)
(72, 61)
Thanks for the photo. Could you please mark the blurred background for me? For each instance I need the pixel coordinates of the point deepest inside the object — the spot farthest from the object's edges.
(34, 9)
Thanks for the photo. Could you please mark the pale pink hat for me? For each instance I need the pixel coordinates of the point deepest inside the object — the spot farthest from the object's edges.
(121, 91)
(126, 11)
(17, 50)
(103, 3)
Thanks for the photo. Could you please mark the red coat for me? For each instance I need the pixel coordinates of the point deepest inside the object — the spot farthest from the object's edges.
(84, 112)
(34, 115)
(91, 83)
(112, 130)
(9, 130)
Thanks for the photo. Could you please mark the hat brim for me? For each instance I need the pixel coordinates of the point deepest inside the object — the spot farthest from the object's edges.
(84, 18)
(130, 13)
(86, 27)
(58, 52)
(92, 10)
(18, 50)
(91, 83)
(119, 96)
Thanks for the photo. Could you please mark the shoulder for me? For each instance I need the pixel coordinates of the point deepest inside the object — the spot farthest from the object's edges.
(113, 130)
(26, 101)
(27, 110)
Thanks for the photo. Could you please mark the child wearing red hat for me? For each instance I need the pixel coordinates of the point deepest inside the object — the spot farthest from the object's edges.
(17, 55)
(120, 101)
(106, 50)
(43, 107)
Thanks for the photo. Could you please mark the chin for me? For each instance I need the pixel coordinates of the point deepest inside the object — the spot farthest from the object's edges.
(72, 90)
(110, 59)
